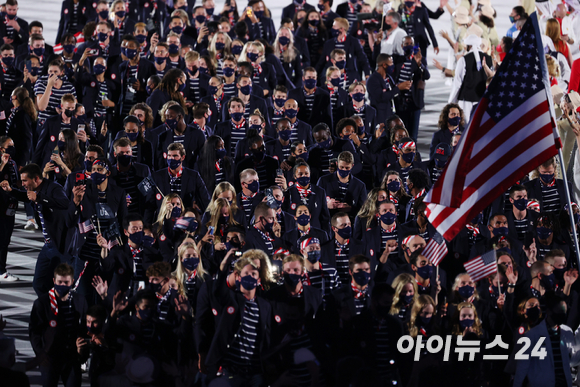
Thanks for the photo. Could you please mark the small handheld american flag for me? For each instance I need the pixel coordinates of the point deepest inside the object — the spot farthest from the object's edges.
(436, 249)
(482, 266)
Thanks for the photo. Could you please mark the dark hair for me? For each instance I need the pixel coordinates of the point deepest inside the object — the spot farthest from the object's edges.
(517, 187)
(415, 256)
(444, 116)
(97, 149)
(34, 23)
(382, 58)
(26, 103)
(320, 127)
(246, 66)
(241, 30)
(168, 84)
(508, 43)
(99, 312)
(64, 270)
(177, 109)
(132, 217)
(488, 22)
(268, 49)
(283, 119)
(303, 30)
(66, 37)
(520, 11)
(207, 159)
(210, 65)
(32, 171)
(6, 47)
(343, 123)
(419, 178)
(130, 38)
(358, 259)
(71, 150)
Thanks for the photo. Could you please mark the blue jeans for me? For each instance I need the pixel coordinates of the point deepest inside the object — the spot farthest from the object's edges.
(48, 259)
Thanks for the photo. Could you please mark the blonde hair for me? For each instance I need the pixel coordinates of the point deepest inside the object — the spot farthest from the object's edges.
(258, 113)
(182, 15)
(290, 54)
(421, 302)
(455, 286)
(180, 285)
(222, 187)
(247, 173)
(343, 23)
(180, 271)
(215, 214)
(112, 8)
(266, 275)
(535, 174)
(330, 70)
(293, 258)
(476, 321)
(212, 50)
(553, 66)
(355, 84)
(163, 210)
(369, 208)
(398, 284)
(191, 56)
(243, 262)
(244, 54)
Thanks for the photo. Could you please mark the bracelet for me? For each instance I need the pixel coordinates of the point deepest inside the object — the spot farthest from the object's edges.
(443, 70)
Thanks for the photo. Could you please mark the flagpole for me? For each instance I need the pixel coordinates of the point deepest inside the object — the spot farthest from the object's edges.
(557, 139)
(497, 269)
(570, 209)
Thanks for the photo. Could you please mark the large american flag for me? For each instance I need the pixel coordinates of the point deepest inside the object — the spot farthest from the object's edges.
(511, 133)
(436, 249)
(482, 266)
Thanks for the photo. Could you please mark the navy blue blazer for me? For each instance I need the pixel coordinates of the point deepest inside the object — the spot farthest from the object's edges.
(356, 194)
(291, 237)
(203, 86)
(85, 14)
(255, 241)
(268, 31)
(321, 109)
(48, 139)
(144, 71)
(192, 188)
(255, 201)
(356, 59)
(116, 200)
(421, 27)
(319, 214)
(420, 75)
(328, 255)
(192, 142)
(215, 116)
(370, 116)
(54, 202)
(290, 10)
(382, 93)
(536, 371)
(535, 191)
(224, 130)
(255, 103)
(91, 92)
